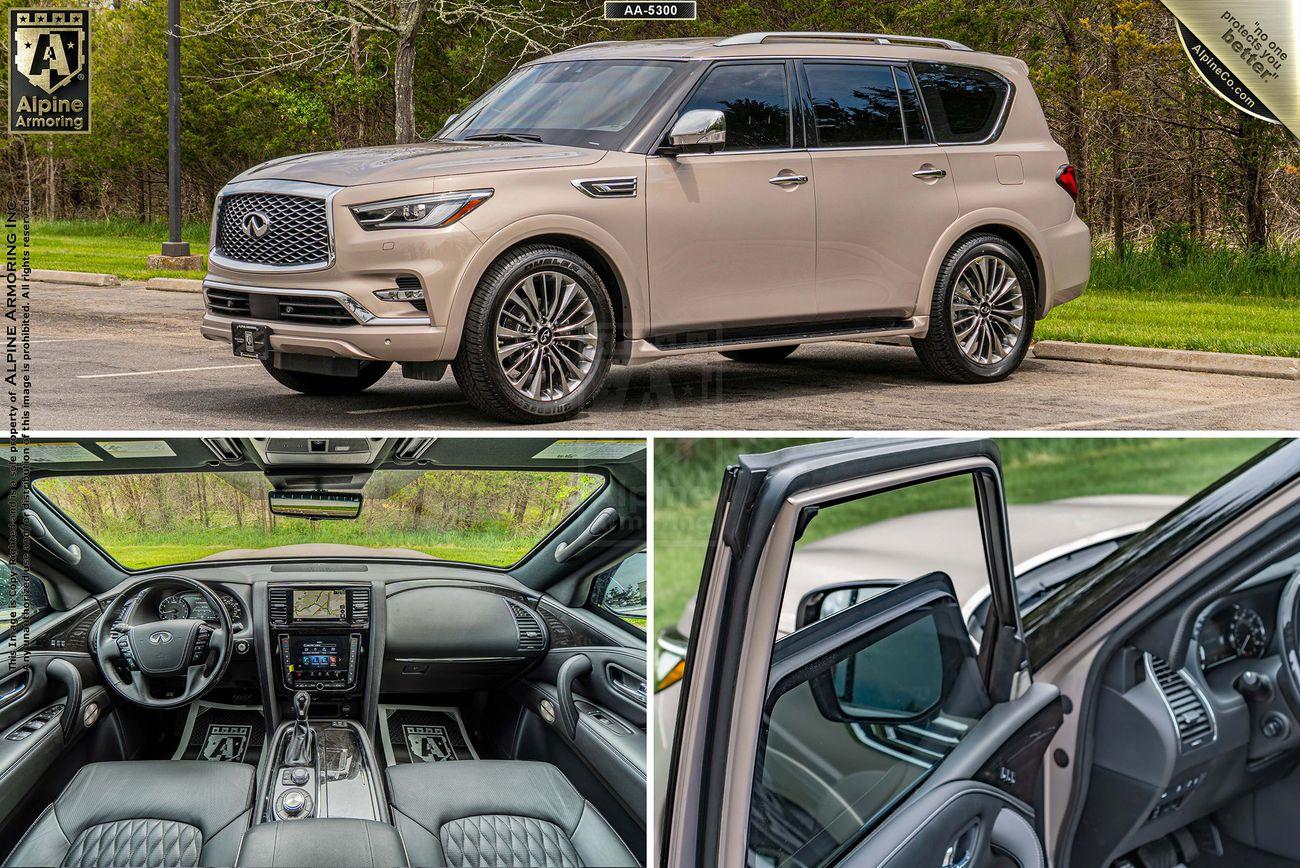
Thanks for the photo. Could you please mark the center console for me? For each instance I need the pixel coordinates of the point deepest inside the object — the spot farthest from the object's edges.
(320, 636)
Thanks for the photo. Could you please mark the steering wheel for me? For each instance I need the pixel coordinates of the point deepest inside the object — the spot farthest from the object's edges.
(132, 657)
(1288, 611)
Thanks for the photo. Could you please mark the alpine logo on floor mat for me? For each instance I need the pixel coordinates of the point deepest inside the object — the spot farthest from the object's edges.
(429, 744)
(226, 744)
(423, 734)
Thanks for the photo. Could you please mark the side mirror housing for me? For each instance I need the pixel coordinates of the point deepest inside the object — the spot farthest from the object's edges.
(698, 130)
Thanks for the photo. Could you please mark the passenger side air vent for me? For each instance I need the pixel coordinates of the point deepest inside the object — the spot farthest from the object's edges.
(1190, 714)
(411, 448)
(359, 600)
(277, 602)
(225, 448)
(531, 635)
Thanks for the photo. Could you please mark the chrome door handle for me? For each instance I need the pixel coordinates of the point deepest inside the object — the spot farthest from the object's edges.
(925, 173)
(788, 180)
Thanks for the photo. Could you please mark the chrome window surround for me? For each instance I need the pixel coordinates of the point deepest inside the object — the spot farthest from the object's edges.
(359, 312)
(305, 189)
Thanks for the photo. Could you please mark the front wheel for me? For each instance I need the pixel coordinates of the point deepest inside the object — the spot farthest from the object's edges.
(981, 319)
(331, 385)
(539, 336)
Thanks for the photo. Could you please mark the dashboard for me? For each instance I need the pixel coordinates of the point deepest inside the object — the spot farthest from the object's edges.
(191, 604)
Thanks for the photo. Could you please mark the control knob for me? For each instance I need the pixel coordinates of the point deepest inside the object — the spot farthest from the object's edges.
(298, 775)
(293, 802)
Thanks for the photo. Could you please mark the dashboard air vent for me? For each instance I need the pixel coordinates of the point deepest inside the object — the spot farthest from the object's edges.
(531, 637)
(1190, 714)
(277, 601)
(411, 448)
(360, 603)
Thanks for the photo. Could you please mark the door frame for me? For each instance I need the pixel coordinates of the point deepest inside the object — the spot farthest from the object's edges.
(761, 512)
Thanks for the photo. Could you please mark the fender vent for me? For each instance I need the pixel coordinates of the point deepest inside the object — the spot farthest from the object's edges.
(531, 635)
(608, 188)
(1192, 718)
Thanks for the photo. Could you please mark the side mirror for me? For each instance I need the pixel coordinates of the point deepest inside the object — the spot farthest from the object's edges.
(820, 603)
(703, 129)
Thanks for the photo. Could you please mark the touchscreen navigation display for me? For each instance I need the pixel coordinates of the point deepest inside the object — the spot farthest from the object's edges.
(318, 655)
(320, 605)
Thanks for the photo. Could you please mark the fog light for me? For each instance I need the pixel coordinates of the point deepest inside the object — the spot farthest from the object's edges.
(411, 295)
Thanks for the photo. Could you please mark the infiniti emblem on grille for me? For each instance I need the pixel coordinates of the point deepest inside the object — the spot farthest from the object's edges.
(256, 224)
(159, 638)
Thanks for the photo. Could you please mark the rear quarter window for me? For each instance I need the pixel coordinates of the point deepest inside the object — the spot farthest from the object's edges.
(965, 103)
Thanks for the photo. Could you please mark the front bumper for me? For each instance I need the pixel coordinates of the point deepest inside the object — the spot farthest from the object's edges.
(372, 337)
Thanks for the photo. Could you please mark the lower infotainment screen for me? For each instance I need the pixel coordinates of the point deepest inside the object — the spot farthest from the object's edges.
(329, 604)
(318, 655)
(318, 661)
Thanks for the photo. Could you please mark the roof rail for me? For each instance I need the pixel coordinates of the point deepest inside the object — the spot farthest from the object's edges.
(877, 38)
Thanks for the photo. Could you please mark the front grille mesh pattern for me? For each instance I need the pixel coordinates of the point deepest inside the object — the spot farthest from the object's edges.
(297, 230)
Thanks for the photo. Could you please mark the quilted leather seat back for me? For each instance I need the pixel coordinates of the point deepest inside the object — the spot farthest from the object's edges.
(503, 841)
(136, 843)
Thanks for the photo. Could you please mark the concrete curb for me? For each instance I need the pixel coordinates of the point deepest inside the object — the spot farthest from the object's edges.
(1274, 367)
(80, 278)
(174, 284)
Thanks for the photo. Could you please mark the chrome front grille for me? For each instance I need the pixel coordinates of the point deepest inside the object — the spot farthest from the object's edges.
(294, 230)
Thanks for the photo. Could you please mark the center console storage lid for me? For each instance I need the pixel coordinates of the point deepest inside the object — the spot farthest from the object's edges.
(322, 843)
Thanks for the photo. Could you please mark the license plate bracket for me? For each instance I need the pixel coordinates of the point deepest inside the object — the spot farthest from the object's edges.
(250, 341)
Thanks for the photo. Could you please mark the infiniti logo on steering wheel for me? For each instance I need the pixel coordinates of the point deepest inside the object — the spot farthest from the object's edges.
(159, 638)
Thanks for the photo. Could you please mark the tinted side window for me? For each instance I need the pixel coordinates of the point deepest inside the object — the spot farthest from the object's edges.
(964, 103)
(843, 741)
(913, 117)
(755, 101)
(854, 104)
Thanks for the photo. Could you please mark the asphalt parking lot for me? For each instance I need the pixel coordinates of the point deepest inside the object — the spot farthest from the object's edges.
(127, 358)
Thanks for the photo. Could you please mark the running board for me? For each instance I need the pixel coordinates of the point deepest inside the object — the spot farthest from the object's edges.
(785, 334)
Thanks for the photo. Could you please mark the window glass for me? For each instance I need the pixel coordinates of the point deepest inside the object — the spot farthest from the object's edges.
(912, 114)
(621, 590)
(755, 101)
(964, 102)
(849, 737)
(854, 104)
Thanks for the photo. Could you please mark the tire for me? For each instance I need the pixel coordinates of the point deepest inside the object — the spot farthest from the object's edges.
(328, 384)
(998, 349)
(761, 355)
(570, 369)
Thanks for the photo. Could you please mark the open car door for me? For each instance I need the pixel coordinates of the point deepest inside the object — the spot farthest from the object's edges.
(875, 733)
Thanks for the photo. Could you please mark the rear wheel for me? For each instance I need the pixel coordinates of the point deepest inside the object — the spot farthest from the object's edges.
(761, 355)
(539, 336)
(329, 384)
(981, 319)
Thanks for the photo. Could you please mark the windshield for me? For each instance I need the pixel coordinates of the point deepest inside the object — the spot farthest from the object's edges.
(587, 103)
(487, 517)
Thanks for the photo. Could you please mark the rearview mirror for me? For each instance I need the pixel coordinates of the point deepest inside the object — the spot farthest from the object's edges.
(315, 504)
(704, 129)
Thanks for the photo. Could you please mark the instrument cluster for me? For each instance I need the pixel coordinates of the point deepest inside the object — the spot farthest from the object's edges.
(1229, 633)
(191, 604)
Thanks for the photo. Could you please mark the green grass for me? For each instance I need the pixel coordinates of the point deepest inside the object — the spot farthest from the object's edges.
(109, 246)
(688, 472)
(1217, 300)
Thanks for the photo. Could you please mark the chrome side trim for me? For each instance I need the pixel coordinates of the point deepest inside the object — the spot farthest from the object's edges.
(607, 188)
(351, 305)
(306, 189)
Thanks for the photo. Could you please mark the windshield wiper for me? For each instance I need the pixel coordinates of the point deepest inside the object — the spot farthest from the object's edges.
(502, 137)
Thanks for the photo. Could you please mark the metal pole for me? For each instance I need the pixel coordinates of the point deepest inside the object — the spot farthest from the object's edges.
(174, 246)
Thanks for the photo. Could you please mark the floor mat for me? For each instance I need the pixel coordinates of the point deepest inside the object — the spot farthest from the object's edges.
(421, 733)
(222, 733)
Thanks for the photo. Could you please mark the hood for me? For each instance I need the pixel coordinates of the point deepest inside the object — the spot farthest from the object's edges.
(317, 550)
(377, 165)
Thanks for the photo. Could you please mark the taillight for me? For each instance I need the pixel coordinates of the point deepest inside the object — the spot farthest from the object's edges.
(1068, 180)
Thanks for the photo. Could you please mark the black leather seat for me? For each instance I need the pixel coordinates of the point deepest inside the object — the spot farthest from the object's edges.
(166, 813)
(498, 813)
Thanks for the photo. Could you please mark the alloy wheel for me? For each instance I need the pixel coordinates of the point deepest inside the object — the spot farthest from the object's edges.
(987, 310)
(546, 336)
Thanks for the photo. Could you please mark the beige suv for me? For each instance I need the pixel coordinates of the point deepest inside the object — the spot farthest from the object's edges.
(626, 201)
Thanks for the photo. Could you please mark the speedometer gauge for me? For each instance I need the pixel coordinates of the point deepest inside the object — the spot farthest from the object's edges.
(1246, 632)
(173, 607)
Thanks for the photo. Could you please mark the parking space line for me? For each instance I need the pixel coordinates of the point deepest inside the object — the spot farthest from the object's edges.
(165, 371)
(408, 407)
(67, 340)
(1156, 414)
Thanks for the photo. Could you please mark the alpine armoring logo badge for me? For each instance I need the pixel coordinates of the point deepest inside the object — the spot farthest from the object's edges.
(49, 71)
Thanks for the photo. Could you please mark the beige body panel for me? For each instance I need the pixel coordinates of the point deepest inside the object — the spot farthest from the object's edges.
(728, 246)
(876, 225)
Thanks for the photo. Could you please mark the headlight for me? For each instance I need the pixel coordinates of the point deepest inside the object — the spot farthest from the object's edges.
(670, 663)
(419, 212)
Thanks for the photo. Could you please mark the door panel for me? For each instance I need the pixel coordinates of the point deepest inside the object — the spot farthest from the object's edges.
(734, 687)
(727, 247)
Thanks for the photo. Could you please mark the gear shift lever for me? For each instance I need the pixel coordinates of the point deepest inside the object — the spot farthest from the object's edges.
(299, 751)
